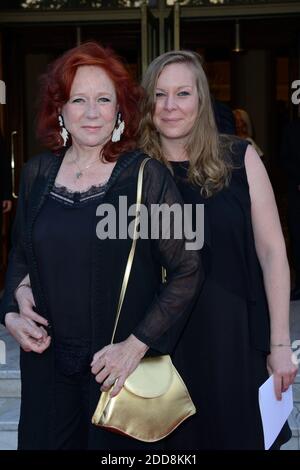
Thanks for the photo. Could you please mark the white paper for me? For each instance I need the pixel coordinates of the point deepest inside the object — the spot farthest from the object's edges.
(273, 412)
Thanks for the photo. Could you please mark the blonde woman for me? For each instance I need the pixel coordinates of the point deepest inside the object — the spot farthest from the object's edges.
(239, 330)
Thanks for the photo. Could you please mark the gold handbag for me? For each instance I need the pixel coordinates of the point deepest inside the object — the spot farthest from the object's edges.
(154, 399)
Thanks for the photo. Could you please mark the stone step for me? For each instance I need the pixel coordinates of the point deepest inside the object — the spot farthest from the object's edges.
(294, 422)
(9, 419)
(296, 390)
(10, 384)
(8, 440)
(9, 413)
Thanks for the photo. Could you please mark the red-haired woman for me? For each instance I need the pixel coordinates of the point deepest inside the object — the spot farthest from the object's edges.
(88, 119)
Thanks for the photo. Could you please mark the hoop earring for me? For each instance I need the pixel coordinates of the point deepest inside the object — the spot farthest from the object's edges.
(63, 131)
(119, 129)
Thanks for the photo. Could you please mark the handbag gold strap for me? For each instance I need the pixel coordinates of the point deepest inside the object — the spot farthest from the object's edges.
(133, 245)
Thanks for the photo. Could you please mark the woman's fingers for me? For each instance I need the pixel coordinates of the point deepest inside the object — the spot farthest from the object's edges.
(98, 355)
(31, 337)
(26, 303)
(97, 366)
(111, 381)
(44, 332)
(40, 347)
(118, 386)
(282, 382)
(33, 330)
(278, 386)
(29, 344)
(27, 312)
(114, 363)
(40, 328)
(103, 375)
(27, 333)
(285, 382)
(288, 379)
(284, 371)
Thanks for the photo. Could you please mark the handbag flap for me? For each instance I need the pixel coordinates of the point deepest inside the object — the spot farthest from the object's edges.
(152, 378)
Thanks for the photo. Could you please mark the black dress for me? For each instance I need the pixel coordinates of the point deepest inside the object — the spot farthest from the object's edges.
(222, 353)
(63, 237)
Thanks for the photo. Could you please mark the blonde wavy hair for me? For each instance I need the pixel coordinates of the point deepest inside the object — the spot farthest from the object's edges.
(208, 167)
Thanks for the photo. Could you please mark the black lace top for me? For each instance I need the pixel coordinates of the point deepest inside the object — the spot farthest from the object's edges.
(74, 198)
(63, 236)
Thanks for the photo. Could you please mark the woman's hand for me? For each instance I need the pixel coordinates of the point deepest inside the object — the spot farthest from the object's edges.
(26, 303)
(114, 363)
(30, 336)
(280, 364)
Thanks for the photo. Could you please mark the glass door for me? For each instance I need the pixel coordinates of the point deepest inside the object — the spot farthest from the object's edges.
(172, 28)
(149, 36)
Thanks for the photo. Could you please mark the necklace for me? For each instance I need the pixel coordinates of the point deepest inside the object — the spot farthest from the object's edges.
(79, 173)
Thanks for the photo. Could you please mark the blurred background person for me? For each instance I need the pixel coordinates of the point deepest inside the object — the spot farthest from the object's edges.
(224, 117)
(244, 128)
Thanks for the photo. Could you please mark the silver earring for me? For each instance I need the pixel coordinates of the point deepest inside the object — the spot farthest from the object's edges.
(118, 130)
(63, 131)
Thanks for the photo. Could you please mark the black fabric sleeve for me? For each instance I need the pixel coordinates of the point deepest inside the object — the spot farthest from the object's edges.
(165, 319)
(17, 263)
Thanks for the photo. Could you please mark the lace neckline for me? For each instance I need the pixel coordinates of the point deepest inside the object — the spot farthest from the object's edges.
(93, 189)
(70, 197)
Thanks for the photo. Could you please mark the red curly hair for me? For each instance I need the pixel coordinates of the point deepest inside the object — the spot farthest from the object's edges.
(55, 91)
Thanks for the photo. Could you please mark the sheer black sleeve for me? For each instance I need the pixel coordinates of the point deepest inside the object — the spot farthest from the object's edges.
(165, 319)
(17, 263)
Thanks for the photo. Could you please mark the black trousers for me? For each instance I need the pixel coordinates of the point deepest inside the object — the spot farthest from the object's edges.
(72, 414)
(73, 429)
(294, 228)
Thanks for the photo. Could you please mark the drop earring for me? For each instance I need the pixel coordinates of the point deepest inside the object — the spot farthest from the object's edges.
(119, 129)
(63, 131)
